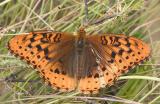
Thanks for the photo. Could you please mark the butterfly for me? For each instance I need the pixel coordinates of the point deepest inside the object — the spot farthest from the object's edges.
(80, 62)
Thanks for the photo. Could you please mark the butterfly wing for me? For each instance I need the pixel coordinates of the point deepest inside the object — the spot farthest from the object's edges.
(44, 50)
(115, 54)
(105, 58)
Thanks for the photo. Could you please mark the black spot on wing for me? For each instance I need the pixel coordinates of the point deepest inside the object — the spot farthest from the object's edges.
(120, 51)
(111, 39)
(46, 51)
(20, 47)
(44, 40)
(38, 56)
(32, 39)
(104, 41)
(96, 75)
(57, 37)
(103, 69)
(117, 44)
(130, 51)
(113, 54)
(29, 45)
(39, 48)
(57, 71)
(128, 44)
(44, 35)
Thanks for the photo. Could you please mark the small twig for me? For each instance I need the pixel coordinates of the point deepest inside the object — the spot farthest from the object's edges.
(149, 64)
(140, 77)
(5, 2)
(145, 24)
(103, 19)
(86, 12)
(29, 15)
(58, 98)
(41, 18)
(12, 78)
(18, 80)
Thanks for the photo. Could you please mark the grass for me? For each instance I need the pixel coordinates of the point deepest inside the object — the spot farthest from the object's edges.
(137, 18)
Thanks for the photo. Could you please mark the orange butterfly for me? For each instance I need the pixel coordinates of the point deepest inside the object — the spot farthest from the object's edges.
(84, 62)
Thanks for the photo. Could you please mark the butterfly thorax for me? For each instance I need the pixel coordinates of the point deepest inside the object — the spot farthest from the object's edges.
(80, 40)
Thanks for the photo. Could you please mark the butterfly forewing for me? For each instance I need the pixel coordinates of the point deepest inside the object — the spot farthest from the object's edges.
(43, 50)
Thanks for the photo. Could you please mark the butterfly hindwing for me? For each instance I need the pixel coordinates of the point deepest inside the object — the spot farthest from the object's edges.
(58, 78)
(43, 50)
(91, 83)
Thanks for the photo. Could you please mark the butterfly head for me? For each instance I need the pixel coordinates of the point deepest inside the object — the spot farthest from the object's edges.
(81, 32)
